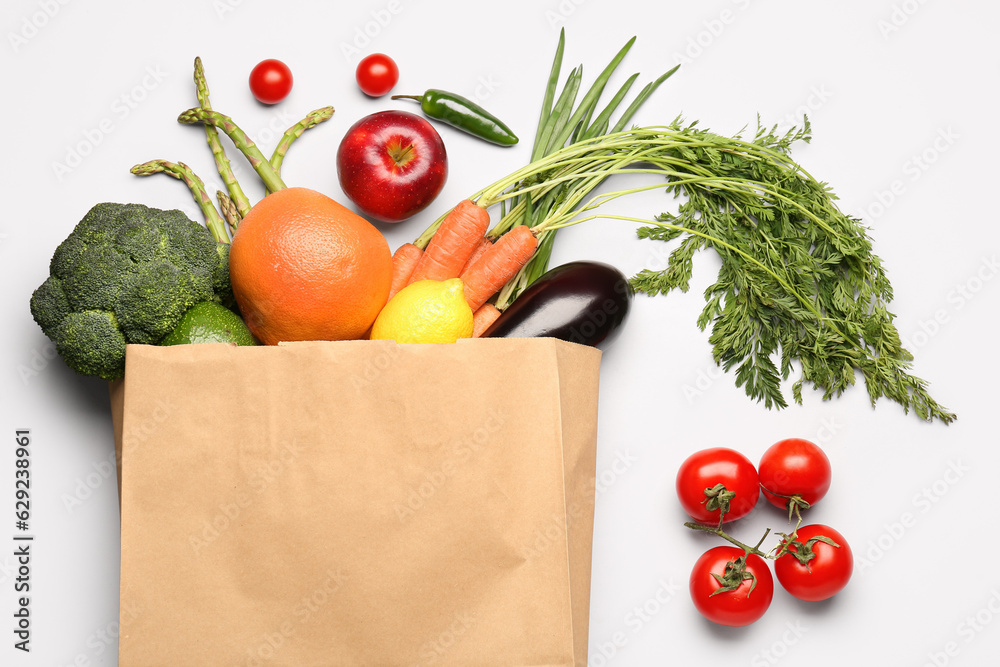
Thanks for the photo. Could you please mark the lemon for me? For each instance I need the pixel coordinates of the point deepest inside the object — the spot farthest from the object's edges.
(427, 311)
(209, 322)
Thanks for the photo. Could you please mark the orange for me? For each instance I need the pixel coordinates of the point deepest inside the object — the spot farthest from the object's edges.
(304, 267)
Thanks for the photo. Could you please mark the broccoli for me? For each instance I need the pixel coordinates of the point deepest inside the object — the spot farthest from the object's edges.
(126, 274)
(92, 343)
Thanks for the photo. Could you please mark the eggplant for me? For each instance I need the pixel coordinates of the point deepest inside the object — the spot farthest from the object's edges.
(580, 302)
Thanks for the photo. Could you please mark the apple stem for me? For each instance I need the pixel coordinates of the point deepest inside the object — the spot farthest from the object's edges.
(401, 155)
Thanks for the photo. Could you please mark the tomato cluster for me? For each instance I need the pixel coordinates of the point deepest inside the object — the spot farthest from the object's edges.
(732, 585)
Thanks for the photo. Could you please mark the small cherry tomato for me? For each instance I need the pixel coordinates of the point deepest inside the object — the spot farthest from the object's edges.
(270, 81)
(794, 468)
(826, 570)
(698, 489)
(731, 587)
(377, 74)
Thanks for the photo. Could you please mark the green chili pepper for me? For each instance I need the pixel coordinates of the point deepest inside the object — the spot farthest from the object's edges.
(463, 114)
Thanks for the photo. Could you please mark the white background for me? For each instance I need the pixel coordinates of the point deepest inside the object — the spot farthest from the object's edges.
(902, 98)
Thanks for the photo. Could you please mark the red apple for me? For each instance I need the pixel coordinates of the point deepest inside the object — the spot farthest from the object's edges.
(392, 164)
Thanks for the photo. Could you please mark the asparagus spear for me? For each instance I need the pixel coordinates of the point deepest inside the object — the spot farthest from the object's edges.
(271, 180)
(229, 211)
(312, 119)
(181, 171)
(236, 195)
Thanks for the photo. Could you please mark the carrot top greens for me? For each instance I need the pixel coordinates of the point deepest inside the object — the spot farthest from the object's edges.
(799, 288)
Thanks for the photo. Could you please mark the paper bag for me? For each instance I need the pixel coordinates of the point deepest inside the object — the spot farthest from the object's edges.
(357, 503)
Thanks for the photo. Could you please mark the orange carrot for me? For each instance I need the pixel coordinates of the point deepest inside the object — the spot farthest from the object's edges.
(452, 243)
(404, 260)
(477, 252)
(484, 316)
(498, 265)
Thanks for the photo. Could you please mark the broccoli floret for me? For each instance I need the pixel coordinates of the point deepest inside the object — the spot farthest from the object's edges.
(220, 277)
(104, 219)
(156, 296)
(139, 268)
(97, 278)
(139, 241)
(187, 244)
(49, 305)
(92, 344)
(67, 254)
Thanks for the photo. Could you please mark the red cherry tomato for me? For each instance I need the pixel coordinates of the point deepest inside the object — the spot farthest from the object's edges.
(703, 471)
(825, 574)
(270, 81)
(794, 467)
(744, 604)
(377, 74)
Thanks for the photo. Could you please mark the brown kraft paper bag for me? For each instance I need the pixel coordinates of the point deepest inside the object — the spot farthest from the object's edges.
(357, 503)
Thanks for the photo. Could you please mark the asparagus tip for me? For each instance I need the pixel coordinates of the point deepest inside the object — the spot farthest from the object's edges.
(190, 116)
(326, 113)
(147, 168)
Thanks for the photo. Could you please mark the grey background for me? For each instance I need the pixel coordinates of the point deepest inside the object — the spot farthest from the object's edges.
(903, 106)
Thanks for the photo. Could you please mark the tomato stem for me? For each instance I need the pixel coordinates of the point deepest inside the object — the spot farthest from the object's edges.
(803, 551)
(719, 497)
(729, 538)
(733, 576)
(763, 537)
(795, 504)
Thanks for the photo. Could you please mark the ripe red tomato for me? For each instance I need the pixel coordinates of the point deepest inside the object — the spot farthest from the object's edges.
(270, 81)
(705, 469)
(825, 574)
(741, 606)
(794, 467)
(376, 74)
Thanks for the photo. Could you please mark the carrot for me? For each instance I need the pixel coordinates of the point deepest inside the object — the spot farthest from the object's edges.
(404, 260)
(498, 265)
(452, 243)
(477, 252)
(484, 316)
